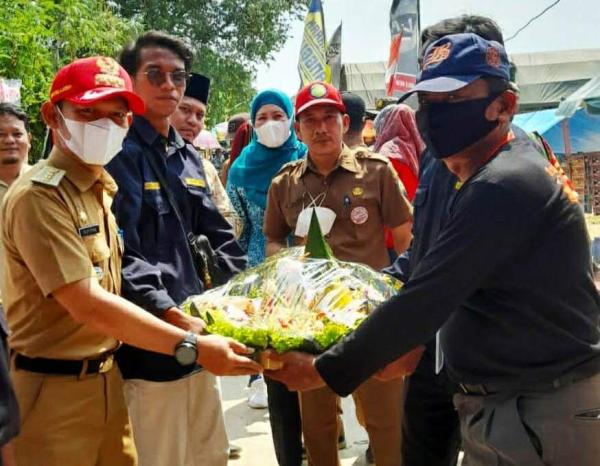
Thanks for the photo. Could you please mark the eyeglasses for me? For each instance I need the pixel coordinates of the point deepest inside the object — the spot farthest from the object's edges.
(158, 77)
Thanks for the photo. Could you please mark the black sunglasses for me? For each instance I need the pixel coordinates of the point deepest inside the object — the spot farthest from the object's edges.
(157, 77)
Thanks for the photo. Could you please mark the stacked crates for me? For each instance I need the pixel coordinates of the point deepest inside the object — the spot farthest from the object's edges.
(593, 180)
(578, 174)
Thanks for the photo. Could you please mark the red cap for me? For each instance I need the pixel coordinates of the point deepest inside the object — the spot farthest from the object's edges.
(319, 93)
(90, 80)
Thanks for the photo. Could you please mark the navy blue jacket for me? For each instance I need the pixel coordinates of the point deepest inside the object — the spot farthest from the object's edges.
(436, 187)
(158, 270)
(9, 408)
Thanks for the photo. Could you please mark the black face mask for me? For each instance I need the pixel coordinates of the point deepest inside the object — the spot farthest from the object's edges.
(448, 128)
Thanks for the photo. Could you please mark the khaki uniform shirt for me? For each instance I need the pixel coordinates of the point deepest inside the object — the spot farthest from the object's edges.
(57, 229)
(220, 197)
(363, 190)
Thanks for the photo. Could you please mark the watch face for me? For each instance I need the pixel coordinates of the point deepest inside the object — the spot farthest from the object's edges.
(186, 355)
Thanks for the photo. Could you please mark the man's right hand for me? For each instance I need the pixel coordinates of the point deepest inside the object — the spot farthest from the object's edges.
(223, 356)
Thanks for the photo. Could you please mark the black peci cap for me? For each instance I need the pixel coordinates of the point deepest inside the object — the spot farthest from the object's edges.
(198, 87)
(355, 109)
(355, 105)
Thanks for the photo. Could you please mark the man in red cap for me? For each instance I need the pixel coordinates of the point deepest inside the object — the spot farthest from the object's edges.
(63, 278)
(356, 193)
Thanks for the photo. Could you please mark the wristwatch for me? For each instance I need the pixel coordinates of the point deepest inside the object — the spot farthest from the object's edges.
(186, 351)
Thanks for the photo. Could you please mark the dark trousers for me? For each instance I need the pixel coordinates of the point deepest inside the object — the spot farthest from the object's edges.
(286, 425)
(430, 427)
(558, 427)
(9, 410)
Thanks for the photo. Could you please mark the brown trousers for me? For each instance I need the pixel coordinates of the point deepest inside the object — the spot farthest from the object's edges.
(381, 404)
(71, 422)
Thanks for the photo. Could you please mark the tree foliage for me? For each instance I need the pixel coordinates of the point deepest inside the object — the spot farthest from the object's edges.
(229, 36)
(37, 37)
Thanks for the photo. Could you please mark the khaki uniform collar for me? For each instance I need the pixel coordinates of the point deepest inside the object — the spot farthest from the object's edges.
(78, 174)
(346, 160)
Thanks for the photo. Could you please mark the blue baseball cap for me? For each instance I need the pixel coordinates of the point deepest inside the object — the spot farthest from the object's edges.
(456, 60)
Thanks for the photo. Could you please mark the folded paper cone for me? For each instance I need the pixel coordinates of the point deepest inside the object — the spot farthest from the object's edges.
(269, 364)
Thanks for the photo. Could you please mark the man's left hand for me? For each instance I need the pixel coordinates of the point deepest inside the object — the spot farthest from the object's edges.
(180, 319)
(298, 372)
(401, 367)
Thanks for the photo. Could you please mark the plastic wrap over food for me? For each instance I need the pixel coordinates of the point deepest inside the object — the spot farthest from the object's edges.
(293, 301)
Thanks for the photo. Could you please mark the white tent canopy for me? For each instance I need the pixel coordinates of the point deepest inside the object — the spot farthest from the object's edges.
(589, 91)
(546, 78)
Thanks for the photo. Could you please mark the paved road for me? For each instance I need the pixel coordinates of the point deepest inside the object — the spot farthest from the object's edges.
(250, 429)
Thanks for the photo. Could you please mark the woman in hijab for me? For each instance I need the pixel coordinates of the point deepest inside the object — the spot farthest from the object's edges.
(273, 144)
(398, 139)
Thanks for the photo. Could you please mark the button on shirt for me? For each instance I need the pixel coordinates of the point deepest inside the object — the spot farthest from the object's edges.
(363, 190)
(158, 270)
(54, 236)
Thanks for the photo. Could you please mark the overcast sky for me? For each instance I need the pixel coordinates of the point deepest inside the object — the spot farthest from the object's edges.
(571, 24)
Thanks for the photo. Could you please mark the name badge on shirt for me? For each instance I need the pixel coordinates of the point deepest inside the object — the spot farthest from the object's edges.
(197, 182)
(89, 230)
(151, 186)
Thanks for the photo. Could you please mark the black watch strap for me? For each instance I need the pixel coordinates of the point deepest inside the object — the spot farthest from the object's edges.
(190, 338)
(186, 351)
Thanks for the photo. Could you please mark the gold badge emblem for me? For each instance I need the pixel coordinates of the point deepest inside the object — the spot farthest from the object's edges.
(109, 73)
(358, 191)
(437, 55)
(318, 90)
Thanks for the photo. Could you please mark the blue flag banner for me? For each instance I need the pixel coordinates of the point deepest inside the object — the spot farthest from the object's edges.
(311, 64)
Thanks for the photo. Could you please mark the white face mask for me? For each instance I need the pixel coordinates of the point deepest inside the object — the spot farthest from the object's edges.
(325, 216)
(95, 142)
(273, 133)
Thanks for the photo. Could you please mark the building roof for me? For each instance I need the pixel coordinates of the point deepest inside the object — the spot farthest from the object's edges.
(544, 78)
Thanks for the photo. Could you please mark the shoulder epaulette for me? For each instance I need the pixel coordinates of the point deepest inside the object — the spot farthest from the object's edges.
(289, 166)
(49, 176)
(367, 154)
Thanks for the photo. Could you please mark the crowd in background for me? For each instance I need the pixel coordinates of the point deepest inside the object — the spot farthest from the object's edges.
(101, 246)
